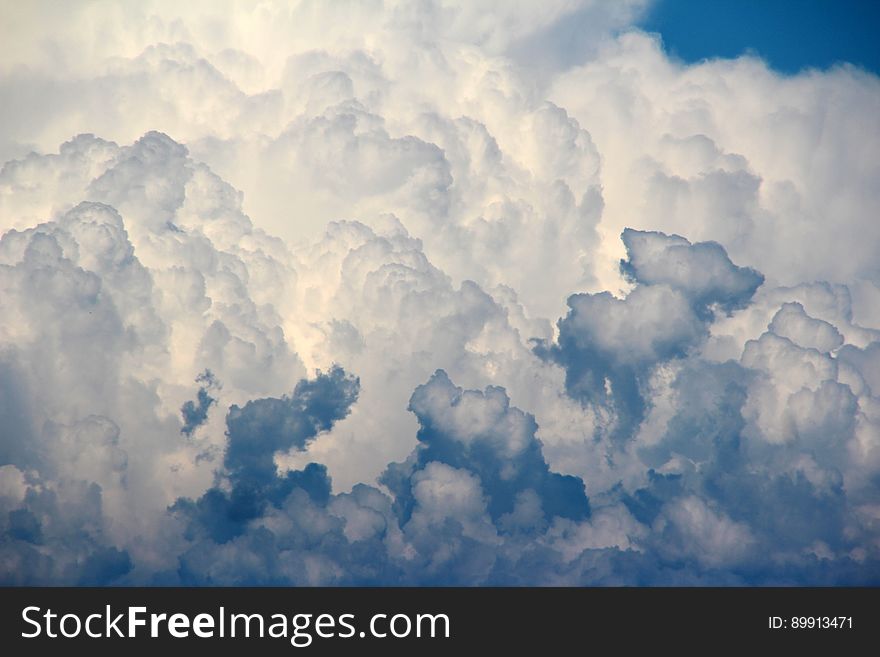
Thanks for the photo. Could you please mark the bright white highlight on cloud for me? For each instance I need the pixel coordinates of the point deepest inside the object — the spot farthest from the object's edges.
(582, 313)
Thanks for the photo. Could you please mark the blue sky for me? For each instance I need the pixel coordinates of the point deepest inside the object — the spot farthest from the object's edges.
(790, 34)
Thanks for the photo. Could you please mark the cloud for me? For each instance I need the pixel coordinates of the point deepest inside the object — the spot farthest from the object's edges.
(630, 304)
(771, 166)
(480, 432)
(609, 346)
(265, 426)
(474, 491)
(702, 271)
(255, 433)
(98, 311)
(195, 413)
(792, 322)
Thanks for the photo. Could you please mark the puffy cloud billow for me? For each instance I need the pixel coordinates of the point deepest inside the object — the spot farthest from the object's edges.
(609, 346)
(434, 293)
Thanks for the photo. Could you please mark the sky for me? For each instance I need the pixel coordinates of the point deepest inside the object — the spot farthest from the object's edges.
(789, 35)
(439, 293)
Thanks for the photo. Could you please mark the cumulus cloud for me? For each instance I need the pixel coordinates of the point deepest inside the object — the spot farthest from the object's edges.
(196, 412)
(610, 346)
(794, 323)
(580, 313)
(464, 507)
(255, 433)
(701, 271)
(479, 431)
(776, 168)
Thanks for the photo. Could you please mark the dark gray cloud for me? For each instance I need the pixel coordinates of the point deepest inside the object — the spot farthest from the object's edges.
(255, 434)
(196, 412)
(609, 346)
(56, 535)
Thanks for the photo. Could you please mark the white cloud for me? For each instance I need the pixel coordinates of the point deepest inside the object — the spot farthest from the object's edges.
(262, 190)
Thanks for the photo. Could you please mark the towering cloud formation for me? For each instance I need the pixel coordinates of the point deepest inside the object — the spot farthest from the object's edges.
(467, 506)
(402, 197)
(480, 432)
(610, 346)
